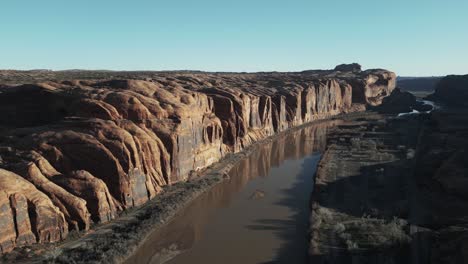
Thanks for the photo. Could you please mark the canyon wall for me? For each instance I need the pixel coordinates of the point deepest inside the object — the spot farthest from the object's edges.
(75, 153)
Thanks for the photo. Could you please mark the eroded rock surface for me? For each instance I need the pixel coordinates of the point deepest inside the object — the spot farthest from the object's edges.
(82, 151)
(27, 215)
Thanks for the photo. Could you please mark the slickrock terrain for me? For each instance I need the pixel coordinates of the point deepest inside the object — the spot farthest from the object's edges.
(393, 190)
(79, 151)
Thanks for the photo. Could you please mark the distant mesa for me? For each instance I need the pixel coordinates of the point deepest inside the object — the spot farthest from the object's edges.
(353, 67)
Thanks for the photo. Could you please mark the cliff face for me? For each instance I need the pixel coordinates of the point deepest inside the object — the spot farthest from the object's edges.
(73, 153)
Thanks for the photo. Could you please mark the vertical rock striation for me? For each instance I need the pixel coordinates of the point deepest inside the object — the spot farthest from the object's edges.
(79, 152)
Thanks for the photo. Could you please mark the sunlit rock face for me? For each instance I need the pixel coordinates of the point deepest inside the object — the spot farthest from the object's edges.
(73, 153)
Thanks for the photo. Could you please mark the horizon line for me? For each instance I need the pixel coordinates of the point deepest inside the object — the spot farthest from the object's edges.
(210, 71)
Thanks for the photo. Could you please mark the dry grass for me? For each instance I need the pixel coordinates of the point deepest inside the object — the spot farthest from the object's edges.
(372, 233)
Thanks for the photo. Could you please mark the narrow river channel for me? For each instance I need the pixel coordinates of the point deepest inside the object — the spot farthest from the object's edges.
(259, 215)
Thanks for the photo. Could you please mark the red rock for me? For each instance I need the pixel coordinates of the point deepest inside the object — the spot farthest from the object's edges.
(85, 150)
(27, 215)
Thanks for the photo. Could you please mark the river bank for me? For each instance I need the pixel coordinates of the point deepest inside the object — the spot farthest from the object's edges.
(263, 203)
(116, 240)
(391, 190)
(360, 203)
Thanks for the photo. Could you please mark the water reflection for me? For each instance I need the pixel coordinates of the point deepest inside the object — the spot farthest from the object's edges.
(225, 220)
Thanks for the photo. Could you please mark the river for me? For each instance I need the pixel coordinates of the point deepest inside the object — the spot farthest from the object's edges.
(259, 215)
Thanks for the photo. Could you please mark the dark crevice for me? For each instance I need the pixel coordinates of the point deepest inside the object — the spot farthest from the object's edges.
(13, 213)
(33, 219)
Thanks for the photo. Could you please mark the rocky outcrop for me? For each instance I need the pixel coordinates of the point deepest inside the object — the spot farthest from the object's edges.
(397, 102)
(452, 90)
(364, 204)
(89, 149)
(353, 67)
(27, 215)
(376, 87)
(401, 102)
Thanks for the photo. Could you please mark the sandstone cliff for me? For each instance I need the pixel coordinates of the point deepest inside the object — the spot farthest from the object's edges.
(74, 153)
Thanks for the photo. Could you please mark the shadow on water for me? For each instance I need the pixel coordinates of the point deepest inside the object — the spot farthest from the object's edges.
(293, 231)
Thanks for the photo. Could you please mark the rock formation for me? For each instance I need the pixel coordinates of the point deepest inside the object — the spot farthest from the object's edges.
(401, 102)
(74, 153)
(353, 67)
(452, 90)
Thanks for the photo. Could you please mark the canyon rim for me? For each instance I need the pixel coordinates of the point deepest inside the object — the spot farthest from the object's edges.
(93, 163)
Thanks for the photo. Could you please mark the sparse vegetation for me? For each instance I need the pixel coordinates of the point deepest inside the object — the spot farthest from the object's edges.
(369, 233)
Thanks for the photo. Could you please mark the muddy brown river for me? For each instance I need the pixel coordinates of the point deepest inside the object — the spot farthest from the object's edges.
(259, 215)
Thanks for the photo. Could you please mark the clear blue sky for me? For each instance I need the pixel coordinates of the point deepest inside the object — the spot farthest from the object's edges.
(412, 37)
